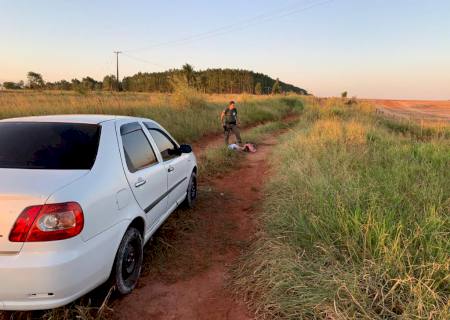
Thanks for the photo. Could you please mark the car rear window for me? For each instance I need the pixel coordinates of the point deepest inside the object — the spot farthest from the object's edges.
(42, 145)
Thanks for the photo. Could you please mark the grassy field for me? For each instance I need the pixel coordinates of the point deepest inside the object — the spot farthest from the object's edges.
(357, 215)
(186, 114)
(356, 221)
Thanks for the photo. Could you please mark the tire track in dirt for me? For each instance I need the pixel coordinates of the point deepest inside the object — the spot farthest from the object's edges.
(191, 283)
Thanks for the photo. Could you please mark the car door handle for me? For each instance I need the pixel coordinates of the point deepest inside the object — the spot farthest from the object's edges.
(171, 169)
(140, 183)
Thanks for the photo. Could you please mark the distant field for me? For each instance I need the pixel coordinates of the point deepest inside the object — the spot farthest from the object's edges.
(415, 109)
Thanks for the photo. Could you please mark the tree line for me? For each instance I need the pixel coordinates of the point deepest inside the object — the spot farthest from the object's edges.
(35, 81)
(232, 81)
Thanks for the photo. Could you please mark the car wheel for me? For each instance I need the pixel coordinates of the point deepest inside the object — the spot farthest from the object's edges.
(192, 192)
(128, 263)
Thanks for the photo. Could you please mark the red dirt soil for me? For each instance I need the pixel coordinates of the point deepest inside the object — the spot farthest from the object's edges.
(214, 140)
(192, 282)
(415, 109)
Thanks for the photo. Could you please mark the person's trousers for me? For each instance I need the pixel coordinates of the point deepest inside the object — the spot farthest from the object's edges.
(232, 128)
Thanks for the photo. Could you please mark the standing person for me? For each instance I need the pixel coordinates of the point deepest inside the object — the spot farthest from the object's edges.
(230, 123)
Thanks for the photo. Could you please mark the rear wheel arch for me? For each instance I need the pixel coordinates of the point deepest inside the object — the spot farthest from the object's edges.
(139, 224)
(128, 261)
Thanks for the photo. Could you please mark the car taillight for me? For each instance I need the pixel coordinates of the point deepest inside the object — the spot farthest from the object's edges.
(48, 223)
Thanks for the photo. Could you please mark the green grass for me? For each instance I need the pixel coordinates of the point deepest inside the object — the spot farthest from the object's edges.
(429, 130)
(257, 134)
(356, 222)
(218, 160)
(188, 123)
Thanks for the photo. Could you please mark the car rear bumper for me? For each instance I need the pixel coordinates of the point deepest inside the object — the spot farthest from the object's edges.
(47, 275)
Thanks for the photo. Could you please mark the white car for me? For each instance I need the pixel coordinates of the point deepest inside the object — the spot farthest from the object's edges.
(79, 197)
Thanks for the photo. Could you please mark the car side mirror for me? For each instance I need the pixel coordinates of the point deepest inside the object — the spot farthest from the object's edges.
(185, 148)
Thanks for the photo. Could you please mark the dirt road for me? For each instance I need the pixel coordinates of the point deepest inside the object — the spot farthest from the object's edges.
(187, 277)
(415, 109)
(186, 264)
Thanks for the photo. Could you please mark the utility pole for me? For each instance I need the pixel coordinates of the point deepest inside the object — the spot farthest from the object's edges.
(117, 68)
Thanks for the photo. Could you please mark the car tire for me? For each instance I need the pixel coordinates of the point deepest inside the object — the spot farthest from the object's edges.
(192, 192)
(128, 262)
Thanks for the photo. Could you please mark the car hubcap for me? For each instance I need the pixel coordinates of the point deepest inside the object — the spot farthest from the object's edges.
(129, 261)
(193, 193)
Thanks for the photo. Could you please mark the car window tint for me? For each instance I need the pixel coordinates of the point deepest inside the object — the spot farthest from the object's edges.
(138, 151)
(48, 145)
(164, 144)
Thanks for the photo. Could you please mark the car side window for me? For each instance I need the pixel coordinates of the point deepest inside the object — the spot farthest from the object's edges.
(138, 152)
(164, 144)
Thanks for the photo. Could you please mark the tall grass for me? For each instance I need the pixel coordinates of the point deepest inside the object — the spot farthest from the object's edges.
(420, 130)
(187, 115)
(356, 222)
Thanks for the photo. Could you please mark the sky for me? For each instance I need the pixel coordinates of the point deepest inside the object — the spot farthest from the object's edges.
(397, 49)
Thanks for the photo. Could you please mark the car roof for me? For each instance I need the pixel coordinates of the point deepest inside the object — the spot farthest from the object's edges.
(71, 118)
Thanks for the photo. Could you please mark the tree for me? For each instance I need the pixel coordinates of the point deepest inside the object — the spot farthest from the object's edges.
(110, 83)
(35, 80)
(63, 85)
(203, 82)
(188, 71)
(13, 85)
(50, 86)
(344, 94)
(75, 84)
(125, 84)
(208, 81)
(234, 81)
(276, 89)
(88, 83)
(258, 88)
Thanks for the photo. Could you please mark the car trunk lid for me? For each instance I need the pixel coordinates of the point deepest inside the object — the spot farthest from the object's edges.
(21, 188)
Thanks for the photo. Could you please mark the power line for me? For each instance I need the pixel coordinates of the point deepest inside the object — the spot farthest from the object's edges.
(270, 18)
(292, 12)
(261, 18)
(203, 33)
(142, 60)
(280, 13)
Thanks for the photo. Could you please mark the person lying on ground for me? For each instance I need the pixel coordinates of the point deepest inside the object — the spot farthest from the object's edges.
(248, 147)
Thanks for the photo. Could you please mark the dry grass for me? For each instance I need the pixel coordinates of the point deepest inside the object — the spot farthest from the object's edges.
(333, 130)
(15, 103)
(191, 121)
(356, 222)
(187, 114)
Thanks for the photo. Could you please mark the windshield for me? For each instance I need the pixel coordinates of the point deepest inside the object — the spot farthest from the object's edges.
(42, 145)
